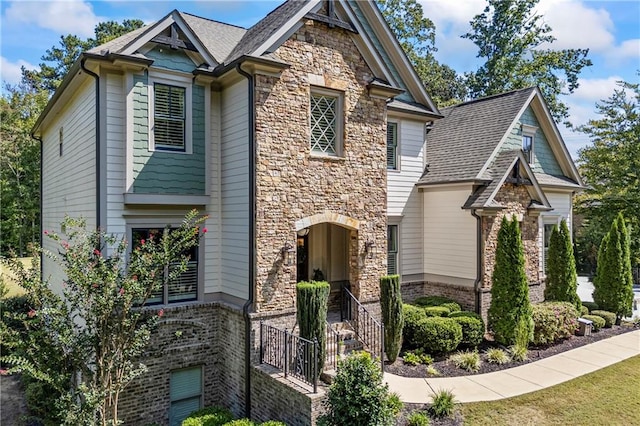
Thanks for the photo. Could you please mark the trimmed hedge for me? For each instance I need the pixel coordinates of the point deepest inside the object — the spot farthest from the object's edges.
(412, 316)
(609, 317)
(472, 329)
(465, 314)
(210, 416)
(437, 334)
(584, 310)
(592, 306)
(433, 301)
(598, 322)
(452, 306)
(553, 321)
(437, 311)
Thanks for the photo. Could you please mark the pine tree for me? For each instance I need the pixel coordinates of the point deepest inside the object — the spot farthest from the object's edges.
(510, 305)
(392, 315)
(562, 279)
(312, 299)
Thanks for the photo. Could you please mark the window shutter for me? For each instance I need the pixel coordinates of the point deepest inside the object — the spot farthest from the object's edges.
(186, 383)
(392, 145)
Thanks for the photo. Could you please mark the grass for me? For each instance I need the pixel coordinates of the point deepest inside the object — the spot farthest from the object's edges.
(605, 397)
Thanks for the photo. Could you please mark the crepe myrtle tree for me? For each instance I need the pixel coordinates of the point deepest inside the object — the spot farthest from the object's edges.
(86, 344)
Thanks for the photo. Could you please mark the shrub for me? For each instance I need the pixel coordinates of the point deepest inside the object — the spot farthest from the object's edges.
(472, 329)
(210, 416)
(598, 322)
(469, 360)
(437, 311)
(433, 301)
(452, 306)
(464, 314)
(592, 306)
(497, 356)
(418, 419)
(608, 317)
(412, 316)
(584, 310)
(613, 282)
(562, 280)
(417, 357)
(518, 353)
(432, 371)
(443, 403)
(553, 321)
(392, 318)
(395, 403)
(312, 299)
(273, 423)
(510, 308)
(240, 422)
(438, 335)
(358, 395)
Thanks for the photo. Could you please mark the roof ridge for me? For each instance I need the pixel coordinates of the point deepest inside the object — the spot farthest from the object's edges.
(489, 97)
(211, 20)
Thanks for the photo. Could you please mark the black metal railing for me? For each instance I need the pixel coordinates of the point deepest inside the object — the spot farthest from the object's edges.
(368, 330)
(333, 351)
(291, 354)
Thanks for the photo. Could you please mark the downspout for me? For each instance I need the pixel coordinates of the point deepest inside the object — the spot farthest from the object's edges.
(248, 306)
(98, 174)
(39, 139)
(476, 284)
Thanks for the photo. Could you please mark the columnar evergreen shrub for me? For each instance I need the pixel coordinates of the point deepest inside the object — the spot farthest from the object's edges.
(613, 281)
(358, 395)
(392, 315)
(510, 310)
(438, 335)
(562, 279)
(553, 321)
(312, 299)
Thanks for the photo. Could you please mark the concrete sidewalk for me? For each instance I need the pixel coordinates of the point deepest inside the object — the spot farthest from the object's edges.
(523, 379)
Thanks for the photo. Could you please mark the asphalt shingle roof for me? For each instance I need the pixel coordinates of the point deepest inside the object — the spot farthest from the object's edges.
(217, 37)
(460, 144)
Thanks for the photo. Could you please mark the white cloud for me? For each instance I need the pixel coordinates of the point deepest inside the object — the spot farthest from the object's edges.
(628, 49)
(447, 14)
(64, 17)
(10, 72)
(595, 89)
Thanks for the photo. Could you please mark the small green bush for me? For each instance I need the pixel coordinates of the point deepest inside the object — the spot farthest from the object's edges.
(432, 301)
(598, 322)
(472, 329)
(418, 418)
(437, 311)
(519, 353)
(443, 403)
(432, 371)
(553, 321)
(469, 360)
(412, 316)
(584, 310)
(438, 335)
(452, 306)
(609, 317)
(210, 416)
(240, 422)
(395, 404)
(273, 423)
(417, 357)
(592, 306)
(497, 356)
(464, 314)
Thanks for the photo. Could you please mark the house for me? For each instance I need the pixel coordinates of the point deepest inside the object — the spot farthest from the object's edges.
(298, 137)
(490, 157)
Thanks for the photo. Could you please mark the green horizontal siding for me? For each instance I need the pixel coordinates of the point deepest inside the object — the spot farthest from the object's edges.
(176, 60)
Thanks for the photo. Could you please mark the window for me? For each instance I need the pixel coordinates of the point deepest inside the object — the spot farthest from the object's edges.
(169, 106)
(392, 249)
(185, 394)
(528, 135)
(392, 146)
(546, 235)
(182, 289)
(60, 140)
(326, 123)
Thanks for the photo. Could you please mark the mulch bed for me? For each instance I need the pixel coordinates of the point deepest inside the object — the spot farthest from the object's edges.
(447, 369)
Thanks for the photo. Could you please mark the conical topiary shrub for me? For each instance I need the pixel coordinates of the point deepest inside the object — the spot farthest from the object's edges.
(312, 299)
(392, 315)
(562, 279)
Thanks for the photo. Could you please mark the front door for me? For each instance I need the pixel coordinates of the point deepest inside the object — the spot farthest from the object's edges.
(303, 258)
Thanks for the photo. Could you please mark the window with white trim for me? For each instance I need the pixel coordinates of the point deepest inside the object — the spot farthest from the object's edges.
(392, 145)
(392, 249)
(182, 289)
(169, 115)
(528, 139)
(185, 392)
(326, 122)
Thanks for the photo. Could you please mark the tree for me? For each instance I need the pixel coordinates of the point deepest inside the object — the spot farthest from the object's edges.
(58, 60)
(392, 315)
(358, 395)
(613, 283)
(610, 167)
(311, 301)
(416, 35)
(512, 40)
(510, 311)
(86, 345)
(19, 170)
(562, 279)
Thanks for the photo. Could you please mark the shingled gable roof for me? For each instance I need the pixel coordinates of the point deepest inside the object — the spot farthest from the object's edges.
(500, 170)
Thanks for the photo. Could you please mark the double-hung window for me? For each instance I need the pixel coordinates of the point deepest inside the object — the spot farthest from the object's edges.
(184, 288)
(392, 145)
(326, 122)
(169, 115)
(392, 249)
(185, 393)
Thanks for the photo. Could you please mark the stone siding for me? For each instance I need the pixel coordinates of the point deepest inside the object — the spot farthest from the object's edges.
(293, 183)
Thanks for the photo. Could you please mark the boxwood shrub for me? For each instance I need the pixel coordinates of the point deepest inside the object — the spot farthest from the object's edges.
(437, 311)
(592, 306)
(432, 301)
(438, 334)
(210, 416)
(452, 306)
(598, 322)
(553, 321)
(472, 329)
(609, 317)
(412, 316)
(584, 310)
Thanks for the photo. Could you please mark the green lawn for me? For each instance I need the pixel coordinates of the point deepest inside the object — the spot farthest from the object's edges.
(610, 396)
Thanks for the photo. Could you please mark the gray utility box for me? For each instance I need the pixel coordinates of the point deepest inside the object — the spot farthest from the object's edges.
(585, 327)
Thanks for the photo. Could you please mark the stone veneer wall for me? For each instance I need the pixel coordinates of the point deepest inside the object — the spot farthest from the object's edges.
(293, 184)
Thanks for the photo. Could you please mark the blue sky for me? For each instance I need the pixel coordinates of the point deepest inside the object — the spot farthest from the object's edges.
(610, 29)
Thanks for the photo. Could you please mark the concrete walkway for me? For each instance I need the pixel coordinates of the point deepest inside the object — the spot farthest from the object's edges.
(523, 379)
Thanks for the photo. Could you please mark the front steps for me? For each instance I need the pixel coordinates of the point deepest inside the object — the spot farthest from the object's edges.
(341, 341)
